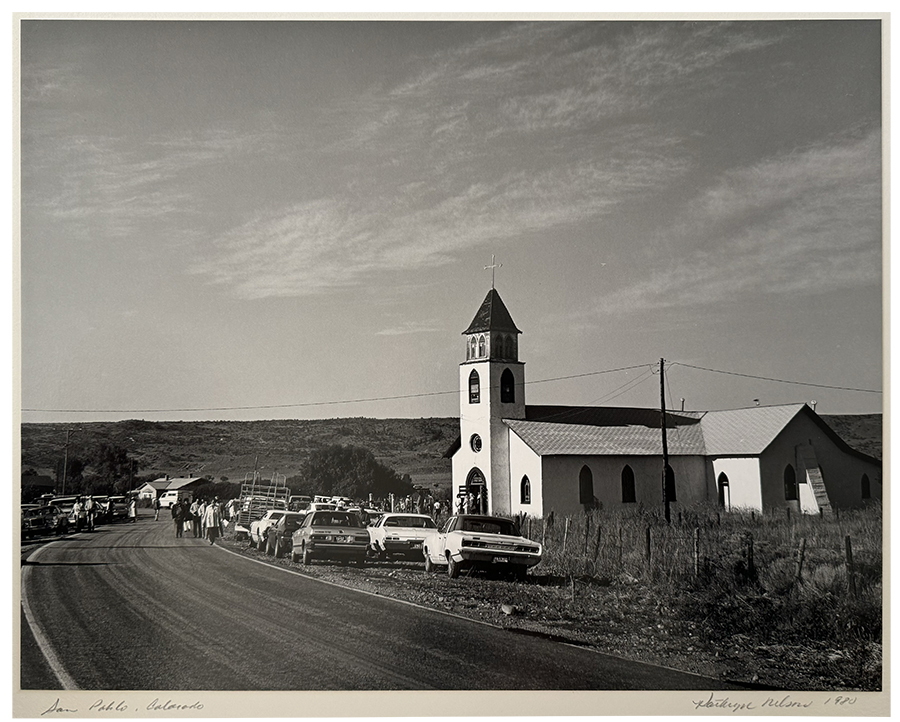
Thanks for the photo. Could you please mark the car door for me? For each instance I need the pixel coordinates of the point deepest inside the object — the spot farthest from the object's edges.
(441, 537)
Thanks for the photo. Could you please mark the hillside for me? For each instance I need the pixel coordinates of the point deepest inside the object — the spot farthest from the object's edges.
(231, 448)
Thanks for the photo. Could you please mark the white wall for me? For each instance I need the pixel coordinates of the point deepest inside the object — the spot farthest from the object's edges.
(743, 482)
(524, 462)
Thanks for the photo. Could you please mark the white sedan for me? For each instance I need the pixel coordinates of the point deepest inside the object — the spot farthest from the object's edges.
(259, 528)
(486, 542)
(400, 535)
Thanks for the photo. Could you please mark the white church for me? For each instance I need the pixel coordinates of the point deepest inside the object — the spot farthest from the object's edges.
(513, 458)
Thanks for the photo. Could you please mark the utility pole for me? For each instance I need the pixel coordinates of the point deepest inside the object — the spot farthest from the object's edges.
(665, 444)
(65, 463)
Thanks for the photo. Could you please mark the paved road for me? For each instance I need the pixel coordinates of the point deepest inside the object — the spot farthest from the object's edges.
(131, 607)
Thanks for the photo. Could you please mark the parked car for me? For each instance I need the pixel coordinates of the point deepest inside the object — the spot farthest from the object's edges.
(278, 535)
(118, 507)
(487, 542)
(330, 535)
(299, 502)
(47, 519)
(399, 535)
(260, 527)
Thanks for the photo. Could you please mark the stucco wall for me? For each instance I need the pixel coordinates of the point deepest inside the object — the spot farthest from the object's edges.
(524, 462)
(743, 482)
(561, 473)
(841, 472)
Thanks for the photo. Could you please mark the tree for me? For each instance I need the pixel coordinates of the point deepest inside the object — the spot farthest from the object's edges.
(113, 468)
(348, 471)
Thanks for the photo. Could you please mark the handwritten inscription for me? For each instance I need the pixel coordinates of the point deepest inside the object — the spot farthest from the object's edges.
(729, 705)
(102, 705)
(55, 707)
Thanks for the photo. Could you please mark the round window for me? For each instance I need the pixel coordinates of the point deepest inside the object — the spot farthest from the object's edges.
(475, 442)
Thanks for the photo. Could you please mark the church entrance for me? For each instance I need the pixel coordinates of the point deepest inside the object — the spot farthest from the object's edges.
(475, 500)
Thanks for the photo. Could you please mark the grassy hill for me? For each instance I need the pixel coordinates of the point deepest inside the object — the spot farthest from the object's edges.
(231, 448)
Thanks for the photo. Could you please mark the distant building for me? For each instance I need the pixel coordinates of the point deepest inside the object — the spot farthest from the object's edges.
(513, 458)
(152, 489)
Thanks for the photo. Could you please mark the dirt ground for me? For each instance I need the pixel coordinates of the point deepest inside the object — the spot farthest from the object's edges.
(620, 618)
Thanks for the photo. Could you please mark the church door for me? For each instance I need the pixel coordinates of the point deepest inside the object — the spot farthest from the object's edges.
(476, 493)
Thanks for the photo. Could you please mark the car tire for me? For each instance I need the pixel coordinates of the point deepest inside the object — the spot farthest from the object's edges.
(452, 568)
(269, 549)
(429, 565)
(261, 544)
(307, 557)
(279, 552)
(295, 558)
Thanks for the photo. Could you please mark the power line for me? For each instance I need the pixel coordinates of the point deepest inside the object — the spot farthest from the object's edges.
(309, 403)
(781, 381)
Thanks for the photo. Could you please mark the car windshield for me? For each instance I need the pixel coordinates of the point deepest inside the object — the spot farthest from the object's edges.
(489, 526)
(276, 515)
(32, 513)
(293, 521)
(411, 522)
(335, 518)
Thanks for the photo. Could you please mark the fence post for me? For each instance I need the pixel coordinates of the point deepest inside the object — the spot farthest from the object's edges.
(597, 541)
(751, 566)
(799, 577)
(565, 537)
(787, 510)
(587, 532)
(696, 551)
(850, 579)
(647, 548)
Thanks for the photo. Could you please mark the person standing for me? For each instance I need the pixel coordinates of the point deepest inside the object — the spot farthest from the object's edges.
(156, 507)
(132, 509)
(178, 517)
(78, 513)
(90, 508)
(212, 521)
(195, 516)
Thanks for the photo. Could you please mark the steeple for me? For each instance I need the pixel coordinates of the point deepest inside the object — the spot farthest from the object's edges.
(492, 316)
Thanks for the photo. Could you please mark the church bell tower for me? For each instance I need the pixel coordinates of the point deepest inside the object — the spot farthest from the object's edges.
(491, 388)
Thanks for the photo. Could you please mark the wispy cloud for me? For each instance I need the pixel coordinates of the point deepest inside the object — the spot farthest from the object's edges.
(801, 224)
(409, 327)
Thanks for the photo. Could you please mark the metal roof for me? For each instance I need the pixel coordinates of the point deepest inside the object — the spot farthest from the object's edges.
(745, 431)
(624, 431)
(611, 431)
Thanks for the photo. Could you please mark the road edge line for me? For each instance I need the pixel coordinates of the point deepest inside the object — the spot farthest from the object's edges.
(37, 631)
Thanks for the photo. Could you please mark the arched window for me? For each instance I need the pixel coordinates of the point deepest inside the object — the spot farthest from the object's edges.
(474, 388)
(724, 491)
(866, 487)
(507, 387)
(585, 486)
(670, 483)
(790, 483)
(526, 490)
(628, 495)
(480, 346)
(473, 347)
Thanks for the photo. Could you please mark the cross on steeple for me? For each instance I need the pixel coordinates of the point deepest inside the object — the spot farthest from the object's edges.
(493, 268)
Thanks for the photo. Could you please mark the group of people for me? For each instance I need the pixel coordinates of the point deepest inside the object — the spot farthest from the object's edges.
(204, 519)
(86, 510)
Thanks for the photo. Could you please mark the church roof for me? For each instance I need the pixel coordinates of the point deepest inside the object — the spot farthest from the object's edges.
(610, 431)
(492, 316)
(615, 431)
(745, 431)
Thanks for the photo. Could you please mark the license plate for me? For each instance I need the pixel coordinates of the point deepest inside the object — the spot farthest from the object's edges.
(500, 560)
(417, 546)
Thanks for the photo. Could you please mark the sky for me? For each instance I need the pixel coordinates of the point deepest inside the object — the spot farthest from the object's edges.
(263, 220)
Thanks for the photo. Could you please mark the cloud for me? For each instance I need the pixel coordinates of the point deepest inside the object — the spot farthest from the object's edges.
(409, 327)
(805, 223)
